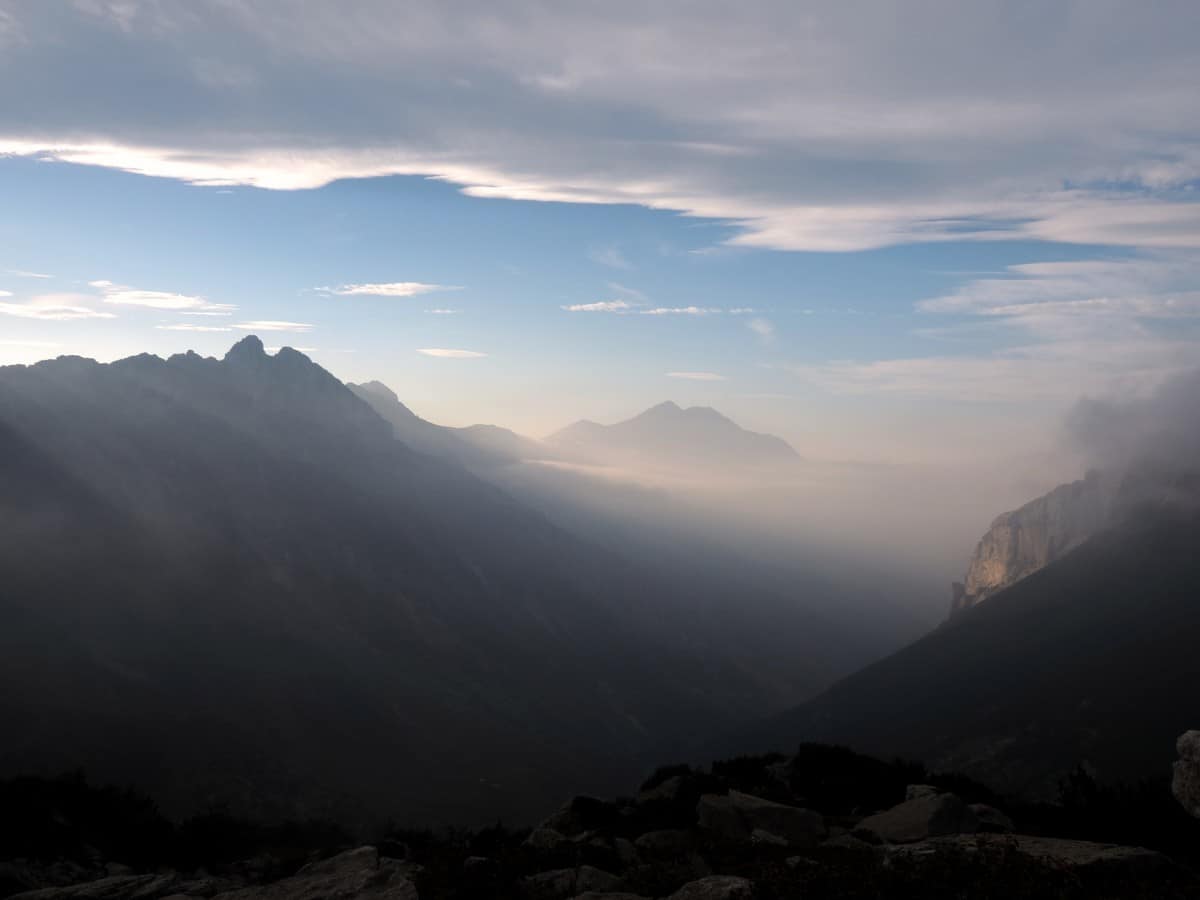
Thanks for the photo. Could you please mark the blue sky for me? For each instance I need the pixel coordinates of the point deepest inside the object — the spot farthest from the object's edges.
(872, 232)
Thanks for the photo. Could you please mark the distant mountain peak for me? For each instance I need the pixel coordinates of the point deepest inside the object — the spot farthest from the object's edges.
(670, 436)
(248, 348)
(667, 406)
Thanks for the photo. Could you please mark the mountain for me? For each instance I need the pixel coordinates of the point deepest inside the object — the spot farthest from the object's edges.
(1020, 542)
(668, 437)
(227, 581)
(476, 446)
(1091, 660)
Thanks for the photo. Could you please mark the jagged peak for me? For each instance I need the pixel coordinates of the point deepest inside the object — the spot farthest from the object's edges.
(248, 348)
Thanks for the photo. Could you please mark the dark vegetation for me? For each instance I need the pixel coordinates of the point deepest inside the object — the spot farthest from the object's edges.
(65, 818)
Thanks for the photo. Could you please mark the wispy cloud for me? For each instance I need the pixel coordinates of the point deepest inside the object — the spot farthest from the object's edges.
(212, 309)
(123, 295)
(603, 306)
(5, 293)
(610, 256)
(697, 376)
(55, 307)
(274, 325)
(442, 312)
(633, 294)
(445, 353)
(680, 311)
(387, 289)
(763, 328)
(195, 328)
(23, 273)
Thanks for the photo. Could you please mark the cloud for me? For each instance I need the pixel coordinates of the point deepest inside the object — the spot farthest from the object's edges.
(1116, 299)
(442, 312)
(609, 306)
(800, 129)
(212, 309)
(22, 273)
(1160, 426)
(1052, 374)
(680, 311)
(387, 289)
(443, 353)
(189, 327)
(122, 295)
(55, 307)
(696, 376)
(635, 296)
(274, 325)
(763, 328)
(5, 293)
(610, 256)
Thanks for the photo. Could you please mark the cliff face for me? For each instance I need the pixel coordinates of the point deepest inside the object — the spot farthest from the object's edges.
(1027, 539)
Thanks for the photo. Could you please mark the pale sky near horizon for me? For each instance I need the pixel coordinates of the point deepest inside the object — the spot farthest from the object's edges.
(911, 231)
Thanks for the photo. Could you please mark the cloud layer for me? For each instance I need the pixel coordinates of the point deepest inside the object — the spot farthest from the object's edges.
(862, 125)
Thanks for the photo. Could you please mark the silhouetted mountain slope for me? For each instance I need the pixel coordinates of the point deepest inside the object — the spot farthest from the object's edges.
(668, 437)
(1093, 659)
(226, 580)
(476, 446)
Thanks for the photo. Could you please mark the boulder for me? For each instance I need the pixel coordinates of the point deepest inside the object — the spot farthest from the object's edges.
(992, 820)
(480, 866)
(766, 838)
(664, 844)
(627, 853)
(559, 884)
(921, 818)
(354, 875)
(673, 790)
(1084, 858)
(736, 816)
(582, 814)
(715, 887)
(545, 839)
(917, 791)
(114, 887)
(849, 843)
(1186, 783)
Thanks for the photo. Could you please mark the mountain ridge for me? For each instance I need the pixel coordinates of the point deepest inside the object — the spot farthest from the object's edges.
(670, 436)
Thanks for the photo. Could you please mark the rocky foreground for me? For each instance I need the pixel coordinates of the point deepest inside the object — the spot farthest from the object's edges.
(746, 829)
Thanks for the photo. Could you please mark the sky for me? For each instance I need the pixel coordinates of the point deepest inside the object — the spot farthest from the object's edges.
(911, 232)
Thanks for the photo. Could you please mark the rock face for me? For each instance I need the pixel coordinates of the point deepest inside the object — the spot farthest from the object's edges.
(1027, 539)
(360, 873)
(1186, 783)
(559, 884)
(1082, 857)
(738, 816)
(922, 817)
(120, 887)
(715, 887)
(357, 873)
